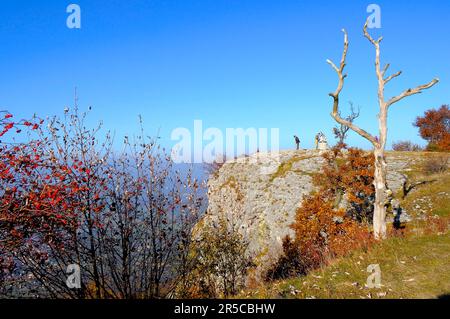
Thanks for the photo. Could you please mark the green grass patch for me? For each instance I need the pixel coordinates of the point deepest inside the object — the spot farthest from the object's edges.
(434, 197)
(286, 167)
(417, 267)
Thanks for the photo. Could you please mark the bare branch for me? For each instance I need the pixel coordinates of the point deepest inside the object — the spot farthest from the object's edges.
(339, 72)
(340, 131)
(355, 128)
(333, 65)
(354, 114)
(385, 69)
(335, 114)
(367, 35)
(410, 92)
(392, 76)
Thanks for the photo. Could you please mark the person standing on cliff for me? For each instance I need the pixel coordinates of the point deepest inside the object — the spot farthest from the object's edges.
(297, 142)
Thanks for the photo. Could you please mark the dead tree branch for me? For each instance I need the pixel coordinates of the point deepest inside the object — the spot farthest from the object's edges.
(335, 114)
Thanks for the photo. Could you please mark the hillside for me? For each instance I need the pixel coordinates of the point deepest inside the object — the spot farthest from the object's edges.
(417, 267)
(260, 198)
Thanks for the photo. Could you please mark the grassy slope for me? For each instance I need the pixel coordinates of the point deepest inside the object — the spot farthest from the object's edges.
(417, 266)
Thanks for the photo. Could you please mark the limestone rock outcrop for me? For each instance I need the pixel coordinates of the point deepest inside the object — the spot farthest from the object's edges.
(259, 195)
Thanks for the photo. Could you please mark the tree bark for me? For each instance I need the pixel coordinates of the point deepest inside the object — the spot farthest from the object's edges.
(381, 198)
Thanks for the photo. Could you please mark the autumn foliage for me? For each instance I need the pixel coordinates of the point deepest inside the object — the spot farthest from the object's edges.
(324, 228)
(434, 127)
(322, 231)
(348, 175)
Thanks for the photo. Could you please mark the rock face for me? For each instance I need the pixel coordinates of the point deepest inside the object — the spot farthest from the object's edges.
(259, 195)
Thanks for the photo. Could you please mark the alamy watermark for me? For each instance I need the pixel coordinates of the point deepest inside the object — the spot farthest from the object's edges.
(74, 19)
(213, 145)
(74, 276)
(374, 279)
(375, 16)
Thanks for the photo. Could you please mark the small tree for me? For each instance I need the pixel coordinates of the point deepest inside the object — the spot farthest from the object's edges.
(221, 261)
(434, 127)
(340, 131)
(382, 192)
(406, 146)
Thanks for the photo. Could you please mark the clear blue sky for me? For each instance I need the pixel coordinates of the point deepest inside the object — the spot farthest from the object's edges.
(230, 63)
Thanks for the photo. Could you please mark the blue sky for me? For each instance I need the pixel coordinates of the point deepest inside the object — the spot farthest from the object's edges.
(229, 63)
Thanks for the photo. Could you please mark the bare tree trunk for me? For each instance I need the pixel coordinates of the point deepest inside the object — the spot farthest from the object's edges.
(379, 181)
(379, 213)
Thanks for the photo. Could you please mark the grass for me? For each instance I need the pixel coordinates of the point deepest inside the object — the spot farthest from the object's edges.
(417, 267)
(433, 198)
(286, 167)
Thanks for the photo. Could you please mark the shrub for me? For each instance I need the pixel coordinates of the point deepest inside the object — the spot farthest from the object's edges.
(290, 264)
(436, 165)
(443, 145)
(406, 146)
(349, 174)
(434, 127)
(124, 218)
(321, 234)
(220, 262)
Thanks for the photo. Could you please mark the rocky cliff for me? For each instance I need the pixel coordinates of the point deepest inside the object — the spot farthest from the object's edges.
(259, 195)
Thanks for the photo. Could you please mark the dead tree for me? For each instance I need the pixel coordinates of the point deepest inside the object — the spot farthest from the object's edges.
(383, 194)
